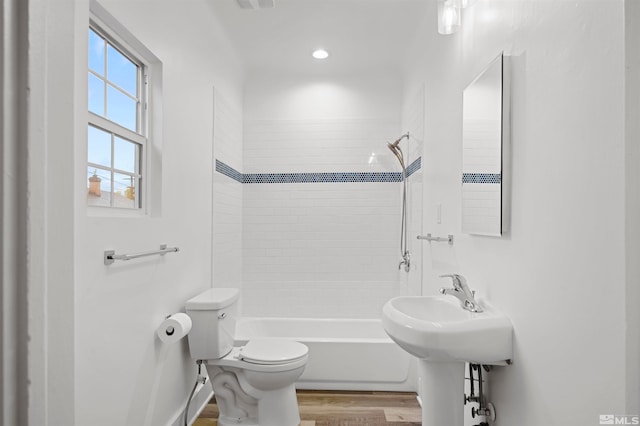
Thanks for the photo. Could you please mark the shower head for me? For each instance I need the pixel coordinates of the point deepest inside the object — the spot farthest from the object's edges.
(397, 152)
(397, 141)
(395, 148)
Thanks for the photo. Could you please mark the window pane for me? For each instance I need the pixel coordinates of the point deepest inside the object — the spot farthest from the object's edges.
(124, 191)
(96, 95)
(121, 109)
(122, 71)
(99, 147)
(125, 154)
(114, 92)
(96, 52)
(98, 187)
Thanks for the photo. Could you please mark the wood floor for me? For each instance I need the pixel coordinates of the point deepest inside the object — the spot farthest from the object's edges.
(336, 408)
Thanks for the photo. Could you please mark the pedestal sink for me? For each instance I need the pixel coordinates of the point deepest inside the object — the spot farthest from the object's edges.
(443, 336)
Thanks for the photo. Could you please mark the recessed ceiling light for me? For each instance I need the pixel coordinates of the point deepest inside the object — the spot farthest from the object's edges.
(256, 4)
(320, 54)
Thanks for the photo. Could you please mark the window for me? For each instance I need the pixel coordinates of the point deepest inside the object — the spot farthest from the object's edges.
(116, 131)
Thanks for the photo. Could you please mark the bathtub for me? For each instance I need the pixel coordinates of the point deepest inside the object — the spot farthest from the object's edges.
(344, 354)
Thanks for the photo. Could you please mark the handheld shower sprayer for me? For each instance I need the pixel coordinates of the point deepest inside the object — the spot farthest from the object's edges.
(395, 148)
(404, 252)
(397, 151)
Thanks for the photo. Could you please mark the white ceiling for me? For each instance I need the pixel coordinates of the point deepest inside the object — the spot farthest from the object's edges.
(362, 36)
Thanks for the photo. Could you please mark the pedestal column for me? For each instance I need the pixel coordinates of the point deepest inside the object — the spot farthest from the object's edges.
(442, 393)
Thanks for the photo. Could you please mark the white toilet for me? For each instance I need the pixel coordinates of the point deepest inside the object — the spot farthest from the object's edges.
(254, 383)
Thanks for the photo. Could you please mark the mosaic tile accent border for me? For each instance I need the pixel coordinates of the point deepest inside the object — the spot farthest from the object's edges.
(338, 177)
(414, 167)
(229, 171)
(328, 177)
(481, 178)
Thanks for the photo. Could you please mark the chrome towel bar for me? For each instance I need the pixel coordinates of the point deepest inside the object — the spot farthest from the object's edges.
(428, 237)
(110, 256)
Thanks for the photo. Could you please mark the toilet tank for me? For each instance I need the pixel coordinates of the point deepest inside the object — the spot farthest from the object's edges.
(213, 315)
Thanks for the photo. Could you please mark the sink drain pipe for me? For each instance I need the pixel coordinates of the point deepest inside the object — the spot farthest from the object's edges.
(485, 409)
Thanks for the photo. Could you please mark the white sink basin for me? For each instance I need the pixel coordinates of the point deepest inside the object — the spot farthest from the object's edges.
(437, 328)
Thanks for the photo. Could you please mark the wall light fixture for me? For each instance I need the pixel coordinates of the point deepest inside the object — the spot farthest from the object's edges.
(449, 16)
(463, 4)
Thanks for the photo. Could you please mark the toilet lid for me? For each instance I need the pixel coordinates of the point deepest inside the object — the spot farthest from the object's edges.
(272, 351)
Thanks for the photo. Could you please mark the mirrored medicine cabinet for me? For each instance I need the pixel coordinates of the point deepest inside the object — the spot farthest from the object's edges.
(485, 151)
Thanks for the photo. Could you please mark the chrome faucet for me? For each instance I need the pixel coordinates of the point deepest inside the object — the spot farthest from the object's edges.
(462, 292)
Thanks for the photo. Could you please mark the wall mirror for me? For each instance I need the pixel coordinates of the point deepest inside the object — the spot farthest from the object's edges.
(485, 151)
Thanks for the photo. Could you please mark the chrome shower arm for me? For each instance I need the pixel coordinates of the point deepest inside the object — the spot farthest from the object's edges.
(397, 141)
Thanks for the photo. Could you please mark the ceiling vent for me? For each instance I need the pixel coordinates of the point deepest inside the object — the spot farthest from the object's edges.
(256, 4)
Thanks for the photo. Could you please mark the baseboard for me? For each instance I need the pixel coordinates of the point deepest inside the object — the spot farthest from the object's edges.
(201, 398)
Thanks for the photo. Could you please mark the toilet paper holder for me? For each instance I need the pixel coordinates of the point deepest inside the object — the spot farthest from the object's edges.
(174, 327)
(169, 330)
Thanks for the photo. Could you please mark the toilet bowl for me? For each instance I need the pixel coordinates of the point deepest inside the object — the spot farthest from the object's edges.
(254, 384)
(264, 390)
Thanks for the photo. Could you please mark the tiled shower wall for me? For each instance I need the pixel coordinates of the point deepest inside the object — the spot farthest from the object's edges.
(227, 198)
(307, 208)
(413, 122)
(327, 249)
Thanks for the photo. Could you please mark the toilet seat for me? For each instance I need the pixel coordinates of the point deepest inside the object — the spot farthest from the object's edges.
(272, 351)
(297, 354)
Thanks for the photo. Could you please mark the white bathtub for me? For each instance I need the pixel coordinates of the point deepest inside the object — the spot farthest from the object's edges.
(344, 354)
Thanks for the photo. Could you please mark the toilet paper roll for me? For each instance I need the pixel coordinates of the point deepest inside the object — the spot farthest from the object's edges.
(174, 328)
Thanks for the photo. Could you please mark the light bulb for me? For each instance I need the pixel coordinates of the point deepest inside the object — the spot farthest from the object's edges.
(463, 4)
(320, 54)
(449, 17)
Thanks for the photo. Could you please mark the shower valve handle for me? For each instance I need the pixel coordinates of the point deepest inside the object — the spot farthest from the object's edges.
(406, 261)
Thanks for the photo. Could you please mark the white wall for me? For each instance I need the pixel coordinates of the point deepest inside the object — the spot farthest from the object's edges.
(45, 198)
(560, 273)
(124, 375)
(632, 170)
(293, 97)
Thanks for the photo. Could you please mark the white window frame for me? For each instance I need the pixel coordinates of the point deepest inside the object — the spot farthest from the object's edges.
(114, 33)
(139, 136)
